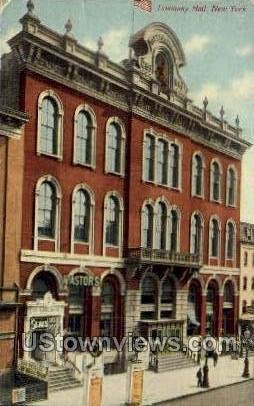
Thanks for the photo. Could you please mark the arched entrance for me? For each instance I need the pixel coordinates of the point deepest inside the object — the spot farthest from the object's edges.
(212, 307)
(111, 308)
(44, 316)
(228, 309)
(194, 308)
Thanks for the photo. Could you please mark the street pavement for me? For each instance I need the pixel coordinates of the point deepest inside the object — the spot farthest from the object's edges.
(160, 387)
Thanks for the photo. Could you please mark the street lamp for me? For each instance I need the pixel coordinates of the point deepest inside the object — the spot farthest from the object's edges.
(246, 372)
(206, 378)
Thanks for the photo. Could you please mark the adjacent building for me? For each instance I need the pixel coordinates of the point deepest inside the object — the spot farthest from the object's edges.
(246, 308)
(131, 193)
(11, 179)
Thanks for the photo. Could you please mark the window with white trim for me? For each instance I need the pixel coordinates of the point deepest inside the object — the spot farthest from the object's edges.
(214, 238)
(173, 230)
(162, 162)
(197, 175)
(161, 226)
(196, 234)
(230, 240)
(115, 147)
(167, 299)
(147, 226)
(82, 211)
(174, 166)
(231, 187)
(112, 221)
(149, 157)
(84, 136)
(46, 210)
(215, 182)
(50, 125)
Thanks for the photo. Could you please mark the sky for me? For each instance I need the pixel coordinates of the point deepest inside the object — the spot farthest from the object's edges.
(218, 44)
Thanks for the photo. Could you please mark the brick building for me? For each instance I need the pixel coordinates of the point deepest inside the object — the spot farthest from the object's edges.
(131, 193)
(11, 177)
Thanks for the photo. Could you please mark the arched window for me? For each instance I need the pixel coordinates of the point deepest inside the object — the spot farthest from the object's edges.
(196, 234)
(115, 146)
(162, 71)
(230, 239)
(228, 292)
(149, 150)
(161, 226)
(174, 166)
(244, 283)
(112, 221)
(147, 226)
(148, 291)
(215, 238)
(84, 139)
(162, 162)
(252, 283)
(48, 136)
(197, 175)
(50, 124)
(40, 288)
(82, 216)
(231, 187)
(244, 306)
(46, 210)
(215, 181)
(173, 230)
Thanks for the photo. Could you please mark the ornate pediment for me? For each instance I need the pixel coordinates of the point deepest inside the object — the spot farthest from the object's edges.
(159, 56)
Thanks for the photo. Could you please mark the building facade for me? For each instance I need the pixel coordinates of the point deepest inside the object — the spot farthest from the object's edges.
(11, 178)
(131, 194)
(246, 308)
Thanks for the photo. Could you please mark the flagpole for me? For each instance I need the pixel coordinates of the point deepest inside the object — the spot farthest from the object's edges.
(132, 26)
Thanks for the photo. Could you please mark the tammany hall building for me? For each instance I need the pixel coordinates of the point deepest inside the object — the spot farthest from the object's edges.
(131, 193)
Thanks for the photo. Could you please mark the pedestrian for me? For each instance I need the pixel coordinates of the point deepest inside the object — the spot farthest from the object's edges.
(200, 377)
(215, 358)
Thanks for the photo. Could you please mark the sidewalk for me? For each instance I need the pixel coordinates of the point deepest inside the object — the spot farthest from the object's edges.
(158, 387)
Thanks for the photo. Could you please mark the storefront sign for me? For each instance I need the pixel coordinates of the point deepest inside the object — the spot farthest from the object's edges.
(38, 323)
(18, 395)
(32, 369)
(82, 280)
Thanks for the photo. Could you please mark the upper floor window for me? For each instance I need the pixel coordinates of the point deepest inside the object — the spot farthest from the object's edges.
(84, 136)
(46, 210)
(214, 238)
(231, 187)
(196, 234)
(174, 166)
(197, 175)
(163, 71)
(50, 125)
(161, 226)
(245, 258)
(173, 230)
(112, 222)
(82, 216)
(115, 146)
(244, 306)
(230, 240)
(149, 157)
(162, 162)
(244, 283)
(148, 290)
(107, 294)
(215, 181)
(252, 283)
(147, 226)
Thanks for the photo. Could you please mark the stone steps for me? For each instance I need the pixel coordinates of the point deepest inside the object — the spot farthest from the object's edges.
(177, 361)
(61, 378)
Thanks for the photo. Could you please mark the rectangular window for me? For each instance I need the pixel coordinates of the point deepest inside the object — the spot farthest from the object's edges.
(162, 162)
(149, 158)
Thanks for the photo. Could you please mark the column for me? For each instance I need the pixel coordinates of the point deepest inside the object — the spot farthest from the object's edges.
(203, 315)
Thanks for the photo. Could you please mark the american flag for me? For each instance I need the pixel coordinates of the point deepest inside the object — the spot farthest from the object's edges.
(144, 4)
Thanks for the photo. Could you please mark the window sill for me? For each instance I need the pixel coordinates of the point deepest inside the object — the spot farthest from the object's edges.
(215, 201)
(121, 175)
(112, 246)
(198, 196)
(88, 166)
(46, 239)
(58, 157)
(232, 206)
(176, 189)
(81, 243)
